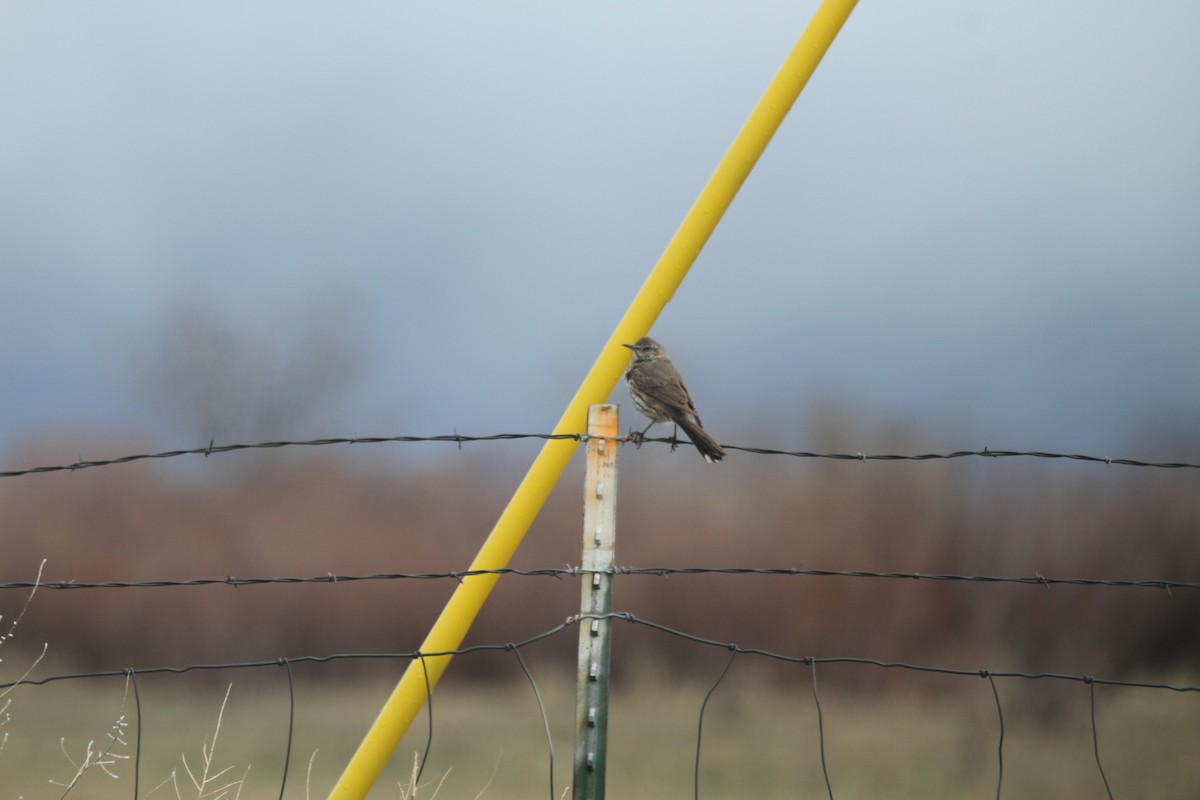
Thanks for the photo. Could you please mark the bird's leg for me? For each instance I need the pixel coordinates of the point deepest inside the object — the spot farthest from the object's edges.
(674, 438)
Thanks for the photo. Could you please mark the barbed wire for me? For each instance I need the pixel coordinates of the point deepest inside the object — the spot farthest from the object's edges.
(459, 439)
(1037, 579)
(984, 453)
(216, 449)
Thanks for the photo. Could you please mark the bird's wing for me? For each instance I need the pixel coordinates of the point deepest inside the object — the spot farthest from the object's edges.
(665, 382)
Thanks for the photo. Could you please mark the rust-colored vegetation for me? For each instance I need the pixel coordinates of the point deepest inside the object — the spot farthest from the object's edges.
(426, 508)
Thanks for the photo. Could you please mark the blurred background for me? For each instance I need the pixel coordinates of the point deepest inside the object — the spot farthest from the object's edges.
(241, 223)
(238, 222)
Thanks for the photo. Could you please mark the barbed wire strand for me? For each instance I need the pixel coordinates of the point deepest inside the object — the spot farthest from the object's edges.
(1096, 739)
(459, 439)
(821, 730)
(986, 452)
(1037, 579)
(214, 449)
(545, 719)
(700, 725)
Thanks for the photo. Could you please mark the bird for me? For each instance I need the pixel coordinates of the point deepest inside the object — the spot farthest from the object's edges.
(657, 390)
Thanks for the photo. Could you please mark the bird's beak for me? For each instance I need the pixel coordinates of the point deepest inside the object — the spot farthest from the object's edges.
(627, 345)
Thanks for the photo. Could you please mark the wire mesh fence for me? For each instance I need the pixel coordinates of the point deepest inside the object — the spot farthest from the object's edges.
(120, 756)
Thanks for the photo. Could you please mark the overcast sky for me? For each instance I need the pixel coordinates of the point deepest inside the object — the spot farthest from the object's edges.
(323, 219)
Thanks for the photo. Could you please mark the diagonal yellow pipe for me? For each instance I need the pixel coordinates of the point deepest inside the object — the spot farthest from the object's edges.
(456, 618)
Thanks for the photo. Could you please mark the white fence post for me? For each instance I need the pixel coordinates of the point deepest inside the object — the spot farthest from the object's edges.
(595, 633)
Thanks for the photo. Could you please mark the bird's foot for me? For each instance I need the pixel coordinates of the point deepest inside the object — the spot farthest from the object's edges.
(636, 437)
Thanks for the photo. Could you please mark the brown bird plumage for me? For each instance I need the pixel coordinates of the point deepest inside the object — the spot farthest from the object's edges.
(658, 391)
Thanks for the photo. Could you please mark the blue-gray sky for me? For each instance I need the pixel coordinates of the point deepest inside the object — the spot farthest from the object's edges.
(984, 217)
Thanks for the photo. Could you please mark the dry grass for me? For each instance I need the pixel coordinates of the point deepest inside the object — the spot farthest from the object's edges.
(903, 740)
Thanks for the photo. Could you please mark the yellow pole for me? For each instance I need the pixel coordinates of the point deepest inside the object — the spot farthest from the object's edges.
(451, 627)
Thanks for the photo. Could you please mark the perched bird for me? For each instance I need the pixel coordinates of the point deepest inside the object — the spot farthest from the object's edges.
(657, 390)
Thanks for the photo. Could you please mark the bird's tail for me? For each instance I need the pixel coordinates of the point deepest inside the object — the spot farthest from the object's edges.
(707, 445)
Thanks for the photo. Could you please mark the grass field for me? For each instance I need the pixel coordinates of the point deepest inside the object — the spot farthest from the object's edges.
(904, 739)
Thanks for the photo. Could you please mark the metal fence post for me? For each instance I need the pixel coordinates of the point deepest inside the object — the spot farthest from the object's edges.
(595, 635)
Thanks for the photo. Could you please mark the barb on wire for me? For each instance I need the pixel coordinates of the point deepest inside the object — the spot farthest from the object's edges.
(458, 439)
